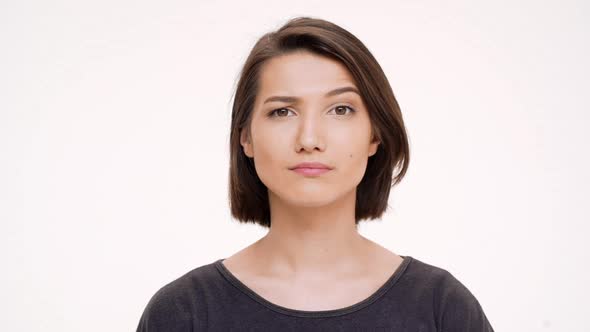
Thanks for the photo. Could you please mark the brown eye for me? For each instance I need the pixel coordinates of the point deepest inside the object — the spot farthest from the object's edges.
(279, 112)
(341, 109)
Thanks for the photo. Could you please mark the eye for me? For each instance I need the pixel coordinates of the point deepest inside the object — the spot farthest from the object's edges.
(279, 112)
(275, 113)
(343, 107)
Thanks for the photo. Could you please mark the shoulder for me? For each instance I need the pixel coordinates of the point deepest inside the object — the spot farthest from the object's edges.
(175, 306)
(455, 307)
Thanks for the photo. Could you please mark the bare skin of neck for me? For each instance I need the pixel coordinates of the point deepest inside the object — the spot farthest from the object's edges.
(306, 248)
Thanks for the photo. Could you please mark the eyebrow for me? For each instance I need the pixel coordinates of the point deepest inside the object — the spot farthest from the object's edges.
(291, 99)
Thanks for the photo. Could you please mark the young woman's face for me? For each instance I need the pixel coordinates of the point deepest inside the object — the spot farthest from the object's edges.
(312, 125)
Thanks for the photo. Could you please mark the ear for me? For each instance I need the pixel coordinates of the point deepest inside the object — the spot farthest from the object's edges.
(375, 141)
(246, 143)
(373, 147)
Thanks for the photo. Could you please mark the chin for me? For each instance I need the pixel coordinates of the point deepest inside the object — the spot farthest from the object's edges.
(310, 203)
(307, 198)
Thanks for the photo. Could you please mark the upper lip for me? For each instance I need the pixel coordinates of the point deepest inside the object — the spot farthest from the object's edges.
(313, 164)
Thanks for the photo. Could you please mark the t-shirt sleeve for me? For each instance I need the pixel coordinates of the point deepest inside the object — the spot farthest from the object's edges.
(165, 312)
(460, 311)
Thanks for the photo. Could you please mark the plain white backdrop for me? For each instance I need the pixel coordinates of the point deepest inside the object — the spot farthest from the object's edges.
(114, 137)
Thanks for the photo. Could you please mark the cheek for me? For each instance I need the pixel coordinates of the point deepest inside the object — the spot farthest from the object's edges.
(351, 144)
(271, 150)
(271, 145)
(352, 153)
(354, 165)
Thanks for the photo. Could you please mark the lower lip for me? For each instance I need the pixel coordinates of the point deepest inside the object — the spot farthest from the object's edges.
(311, 171)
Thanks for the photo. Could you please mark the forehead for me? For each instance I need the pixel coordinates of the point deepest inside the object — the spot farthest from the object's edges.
(302, 73)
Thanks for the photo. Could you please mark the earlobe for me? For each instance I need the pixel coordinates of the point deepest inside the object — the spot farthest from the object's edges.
(373, 148)
(246, 145)
(374, 144)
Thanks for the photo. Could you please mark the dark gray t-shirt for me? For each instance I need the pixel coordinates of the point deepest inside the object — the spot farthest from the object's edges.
(418, 297)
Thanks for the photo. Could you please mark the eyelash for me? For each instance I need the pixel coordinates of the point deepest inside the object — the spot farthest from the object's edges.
(273, 112)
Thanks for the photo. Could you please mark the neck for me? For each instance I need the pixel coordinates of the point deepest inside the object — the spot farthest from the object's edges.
(309, 240)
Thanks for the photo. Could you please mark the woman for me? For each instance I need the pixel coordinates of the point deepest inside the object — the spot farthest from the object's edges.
(316, 138)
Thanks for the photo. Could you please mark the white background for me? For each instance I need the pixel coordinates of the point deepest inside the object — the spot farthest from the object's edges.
(114, 133)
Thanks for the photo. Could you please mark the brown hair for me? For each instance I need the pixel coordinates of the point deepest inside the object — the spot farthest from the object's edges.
(248, 196)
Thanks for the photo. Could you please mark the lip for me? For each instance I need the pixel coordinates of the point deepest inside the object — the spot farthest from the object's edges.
(311, 168)
(313, 165)
(311, 171)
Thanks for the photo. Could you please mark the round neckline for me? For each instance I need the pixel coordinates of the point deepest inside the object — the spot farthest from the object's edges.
(315, 313)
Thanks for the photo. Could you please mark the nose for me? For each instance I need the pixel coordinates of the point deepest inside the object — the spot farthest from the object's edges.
(309, 133)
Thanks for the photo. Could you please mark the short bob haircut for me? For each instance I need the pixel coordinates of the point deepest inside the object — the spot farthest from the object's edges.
(248, 196)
